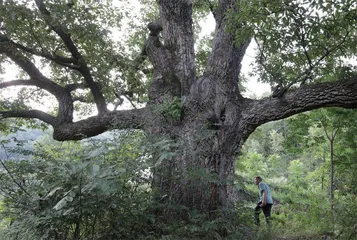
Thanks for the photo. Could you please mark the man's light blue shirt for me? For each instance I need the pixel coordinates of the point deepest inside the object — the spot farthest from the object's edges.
(264, 187)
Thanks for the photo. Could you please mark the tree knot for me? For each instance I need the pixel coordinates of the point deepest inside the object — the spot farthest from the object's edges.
(278, 91)
(155, 28)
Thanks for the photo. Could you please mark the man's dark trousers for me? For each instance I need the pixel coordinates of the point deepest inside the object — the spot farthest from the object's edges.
(266, 210)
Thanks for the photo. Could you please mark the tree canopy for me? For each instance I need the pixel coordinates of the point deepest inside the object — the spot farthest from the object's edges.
(88, 51)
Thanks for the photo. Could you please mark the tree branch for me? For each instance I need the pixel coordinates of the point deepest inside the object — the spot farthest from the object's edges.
(80, 99)
(178, 37)
(312, 66)
(33, 114)
(156, 51)
(65, 108)
(23, 62)
(304, 44)
(165, 80)
(211, 7)
(20, 82)
(306, 98)
(124, 119)
(79, 60)
(10, 173)
(262, 60)
(66, 38)
(66, 62)
(225, 60)
(37, 78)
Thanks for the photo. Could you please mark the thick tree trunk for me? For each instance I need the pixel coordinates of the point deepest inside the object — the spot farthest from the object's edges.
(199, 178)
(215, 118)
(201, 175)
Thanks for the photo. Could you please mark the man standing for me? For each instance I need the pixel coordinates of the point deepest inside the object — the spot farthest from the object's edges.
(265, 203)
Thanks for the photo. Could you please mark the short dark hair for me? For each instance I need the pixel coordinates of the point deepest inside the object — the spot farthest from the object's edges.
(259, 178)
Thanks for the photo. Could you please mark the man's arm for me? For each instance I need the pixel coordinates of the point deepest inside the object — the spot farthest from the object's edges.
(264, 198)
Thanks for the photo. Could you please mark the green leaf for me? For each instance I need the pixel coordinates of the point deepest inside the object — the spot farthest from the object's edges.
(95, 170)
(62, 203)
(53, 191)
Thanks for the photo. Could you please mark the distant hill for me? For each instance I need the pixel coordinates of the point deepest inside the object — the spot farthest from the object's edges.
(24, 138)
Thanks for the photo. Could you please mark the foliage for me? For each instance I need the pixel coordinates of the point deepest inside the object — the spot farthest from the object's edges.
(171, 109)
(299, 173)
(100, 189)
(104, 33)
(298, 41)
(77, 191)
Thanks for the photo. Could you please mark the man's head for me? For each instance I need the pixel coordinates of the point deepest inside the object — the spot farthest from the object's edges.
(257, 180)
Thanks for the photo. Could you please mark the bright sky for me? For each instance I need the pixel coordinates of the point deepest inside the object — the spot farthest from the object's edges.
(253, 86)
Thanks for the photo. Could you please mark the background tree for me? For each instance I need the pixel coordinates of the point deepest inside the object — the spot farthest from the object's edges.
(66, 51)
(301, 178)
(332, 133)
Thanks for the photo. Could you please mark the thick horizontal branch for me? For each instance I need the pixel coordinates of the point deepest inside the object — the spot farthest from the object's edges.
(306, 98)
(65, 108)
(30, 114)
(20, 82)
(124, 119)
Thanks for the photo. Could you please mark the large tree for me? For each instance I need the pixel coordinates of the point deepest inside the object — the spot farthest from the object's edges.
(65, 49)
